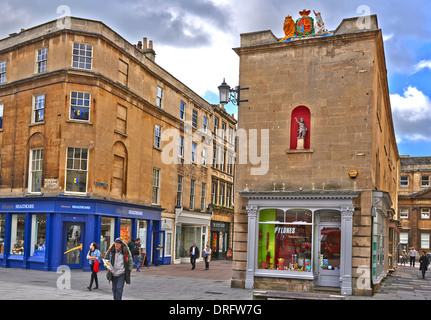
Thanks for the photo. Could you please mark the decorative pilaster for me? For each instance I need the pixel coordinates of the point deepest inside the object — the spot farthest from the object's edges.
(251, 247)
(346, 250)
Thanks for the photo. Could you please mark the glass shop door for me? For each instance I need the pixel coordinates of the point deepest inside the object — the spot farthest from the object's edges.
(73, 239)
(329, 256)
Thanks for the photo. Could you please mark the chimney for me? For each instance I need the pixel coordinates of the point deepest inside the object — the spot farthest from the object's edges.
(139, 45)
(150, 45)
(145, 43)
(148, 50)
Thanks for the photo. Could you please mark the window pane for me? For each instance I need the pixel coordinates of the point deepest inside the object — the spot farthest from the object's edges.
(2, 232)
(38, 235)
(106, 234)
(17, 234)
(285, 247)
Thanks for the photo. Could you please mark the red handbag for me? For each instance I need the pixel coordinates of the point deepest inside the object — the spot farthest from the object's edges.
(96, 266)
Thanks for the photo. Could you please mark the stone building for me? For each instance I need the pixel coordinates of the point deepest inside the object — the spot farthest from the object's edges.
(414, 203)
(98, 141)
(318, 213)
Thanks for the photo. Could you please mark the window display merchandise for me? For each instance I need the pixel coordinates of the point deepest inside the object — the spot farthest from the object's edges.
(285, 240)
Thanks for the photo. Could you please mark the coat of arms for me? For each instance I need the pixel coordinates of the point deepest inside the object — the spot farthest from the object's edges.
(305, 24)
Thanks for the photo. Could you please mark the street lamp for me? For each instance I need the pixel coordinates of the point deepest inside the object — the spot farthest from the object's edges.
(230, 95)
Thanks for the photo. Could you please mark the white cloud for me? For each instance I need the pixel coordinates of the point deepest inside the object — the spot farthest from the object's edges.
(422, 65)
(412, 115)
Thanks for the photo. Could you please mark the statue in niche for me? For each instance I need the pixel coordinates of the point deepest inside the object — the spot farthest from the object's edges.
(302, 130)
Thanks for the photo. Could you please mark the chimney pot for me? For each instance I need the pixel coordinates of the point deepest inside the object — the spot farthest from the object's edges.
(139, 44)
(150, 44)
(145, 43)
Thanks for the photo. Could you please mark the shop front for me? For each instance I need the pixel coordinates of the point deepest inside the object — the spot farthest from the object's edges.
(307, 237)
(191, 227)
(219, 239)
(46, 232)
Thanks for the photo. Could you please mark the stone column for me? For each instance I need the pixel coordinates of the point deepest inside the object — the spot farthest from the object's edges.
(251, 247)
(346, 250)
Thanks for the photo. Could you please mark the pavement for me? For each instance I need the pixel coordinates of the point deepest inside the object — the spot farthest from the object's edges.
(405, 283)
(179, 282)
(166, 282)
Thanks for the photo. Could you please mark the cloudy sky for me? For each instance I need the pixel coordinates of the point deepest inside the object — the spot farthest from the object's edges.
(193, 40)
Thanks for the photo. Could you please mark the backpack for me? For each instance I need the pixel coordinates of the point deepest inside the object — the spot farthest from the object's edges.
(136, 247)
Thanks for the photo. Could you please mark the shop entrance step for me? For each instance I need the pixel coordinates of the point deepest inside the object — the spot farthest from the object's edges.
(284, 295)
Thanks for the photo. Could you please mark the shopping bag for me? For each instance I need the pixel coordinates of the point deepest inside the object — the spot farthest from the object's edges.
(96, 266)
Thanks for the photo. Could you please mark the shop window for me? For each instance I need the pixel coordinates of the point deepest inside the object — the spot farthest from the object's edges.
(76, 170)
(2, 232)
(126, 230)
(38, 235)
(299, 113)
(17, 234)
(285, 240)
(141, 232)
(107, 233)
(425, 240)
(168, 244)
(378, 249)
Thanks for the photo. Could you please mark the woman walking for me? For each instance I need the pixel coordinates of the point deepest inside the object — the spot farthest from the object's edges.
(207, 256)
(423, 261)
(93, 259)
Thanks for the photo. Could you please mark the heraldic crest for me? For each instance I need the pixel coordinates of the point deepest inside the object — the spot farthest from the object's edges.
(304, 26)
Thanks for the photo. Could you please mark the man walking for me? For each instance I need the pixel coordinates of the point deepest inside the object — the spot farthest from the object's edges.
(121, 266)
(412, 255)
(194, 253)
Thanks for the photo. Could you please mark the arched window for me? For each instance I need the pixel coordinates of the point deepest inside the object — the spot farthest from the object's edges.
(300, 112)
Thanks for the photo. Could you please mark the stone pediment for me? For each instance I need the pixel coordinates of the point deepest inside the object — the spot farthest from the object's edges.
(422, 194)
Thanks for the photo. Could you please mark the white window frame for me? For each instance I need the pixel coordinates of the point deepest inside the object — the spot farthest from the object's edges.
(182, 110)
(205, 125)
(404, 237)
(425, 213)
(35, 166)
(158, 136)
(76, 169)
(180, 191)
(156, 186)
(159, 97)
(425, 181)
(38, 104)
(82, 54)
(404, 213)
(3, 70)
(404, 183)
(425, 240)
(41, 60)
(203, 197)
(77, 99)
(194, 148)
(192, 195)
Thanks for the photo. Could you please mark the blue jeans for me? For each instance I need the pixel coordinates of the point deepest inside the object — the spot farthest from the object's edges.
(137, 261)
(118, 286)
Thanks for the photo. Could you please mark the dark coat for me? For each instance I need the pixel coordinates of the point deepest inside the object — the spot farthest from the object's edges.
(128, 260)
(423, 260)
(196, 251)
